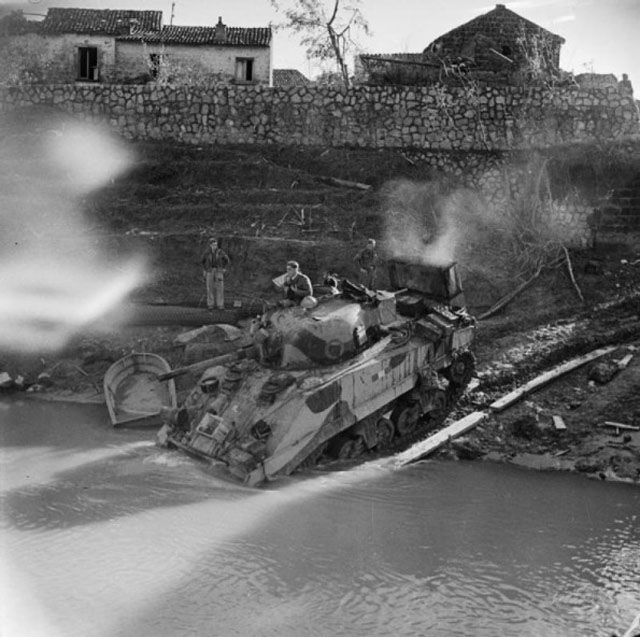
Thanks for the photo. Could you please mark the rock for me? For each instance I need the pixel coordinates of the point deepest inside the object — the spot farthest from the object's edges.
(602, 372)
(44, 380)
(525, 427)
(6, 382)
(466, 450)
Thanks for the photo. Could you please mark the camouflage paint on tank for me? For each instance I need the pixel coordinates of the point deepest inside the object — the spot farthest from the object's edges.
(322, 399)
(321, 371)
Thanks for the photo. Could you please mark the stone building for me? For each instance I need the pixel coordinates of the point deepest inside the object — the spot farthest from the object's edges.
(130, 46)
(499, 47)
(289, 77)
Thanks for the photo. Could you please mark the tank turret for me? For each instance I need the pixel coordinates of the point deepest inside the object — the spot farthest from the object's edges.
(361, 371)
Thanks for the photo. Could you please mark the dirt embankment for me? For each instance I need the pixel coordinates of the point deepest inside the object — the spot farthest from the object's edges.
(276, 204)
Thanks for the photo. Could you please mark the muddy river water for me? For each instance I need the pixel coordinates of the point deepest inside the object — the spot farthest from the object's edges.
(103, 534)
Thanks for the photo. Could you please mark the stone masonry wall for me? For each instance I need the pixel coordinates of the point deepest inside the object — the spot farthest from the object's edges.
(481, 127)
(435, 117)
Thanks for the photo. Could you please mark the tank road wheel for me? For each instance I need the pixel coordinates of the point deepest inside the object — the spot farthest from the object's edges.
(405, 416)
(384, 433)
(461, 369)
(346, 448)
(438, 408)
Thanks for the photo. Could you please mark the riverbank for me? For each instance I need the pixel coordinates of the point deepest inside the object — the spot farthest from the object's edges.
(165, 208)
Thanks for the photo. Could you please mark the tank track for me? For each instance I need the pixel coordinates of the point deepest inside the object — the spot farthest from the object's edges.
(427, 424)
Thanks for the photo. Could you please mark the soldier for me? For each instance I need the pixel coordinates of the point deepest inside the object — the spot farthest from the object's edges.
(214, 262)
(367, 260)
(297, 286)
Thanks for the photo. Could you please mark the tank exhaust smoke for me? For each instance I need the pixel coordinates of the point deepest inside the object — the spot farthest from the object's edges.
(432, 222)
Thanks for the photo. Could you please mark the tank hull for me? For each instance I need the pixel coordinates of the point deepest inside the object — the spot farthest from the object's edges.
(255, 423)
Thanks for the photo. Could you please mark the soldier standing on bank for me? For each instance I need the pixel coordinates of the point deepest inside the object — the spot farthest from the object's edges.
(214, 263)
(367, 260)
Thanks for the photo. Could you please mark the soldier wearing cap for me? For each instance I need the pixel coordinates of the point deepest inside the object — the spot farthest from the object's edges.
(214, 263)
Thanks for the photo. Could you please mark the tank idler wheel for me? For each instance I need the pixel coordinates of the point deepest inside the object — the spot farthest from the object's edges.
(461, 369)
(405, 416)
(314, 457)
(384, 432)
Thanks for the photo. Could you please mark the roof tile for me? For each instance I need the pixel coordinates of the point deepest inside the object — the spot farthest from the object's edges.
(235, 36)
(104, 21)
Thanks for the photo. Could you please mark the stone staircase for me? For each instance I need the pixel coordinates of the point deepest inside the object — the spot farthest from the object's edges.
(622, 212)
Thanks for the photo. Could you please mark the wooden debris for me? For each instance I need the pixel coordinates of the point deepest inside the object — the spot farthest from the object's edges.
(557, 454)
(571, 276)
(517, 394)
(558, 423)
(509, 297)
(344, 183)
(452, 431)
(618, 425)
(624, 362)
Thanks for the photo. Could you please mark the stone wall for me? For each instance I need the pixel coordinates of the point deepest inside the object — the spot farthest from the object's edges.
(466, 131)
(437, 118)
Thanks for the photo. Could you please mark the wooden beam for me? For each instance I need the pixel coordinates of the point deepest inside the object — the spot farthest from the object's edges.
(543, 379)
(452, 431)
(618, 425)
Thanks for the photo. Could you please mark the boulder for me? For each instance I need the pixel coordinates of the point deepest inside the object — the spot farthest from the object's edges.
(602, 371)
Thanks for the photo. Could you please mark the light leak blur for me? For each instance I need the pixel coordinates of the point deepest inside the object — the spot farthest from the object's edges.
(55, 278)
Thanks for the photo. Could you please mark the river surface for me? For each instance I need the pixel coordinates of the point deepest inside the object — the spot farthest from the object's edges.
(103, 534)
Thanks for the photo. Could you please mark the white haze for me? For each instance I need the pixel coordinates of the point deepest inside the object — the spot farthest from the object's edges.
(435, 224)
(55, 278)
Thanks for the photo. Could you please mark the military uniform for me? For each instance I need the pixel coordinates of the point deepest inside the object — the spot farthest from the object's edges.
(214, 262)
(367, 260)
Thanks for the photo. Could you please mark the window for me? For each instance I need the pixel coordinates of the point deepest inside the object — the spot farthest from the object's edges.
(88, 67)
(155, 63)
(244, 69)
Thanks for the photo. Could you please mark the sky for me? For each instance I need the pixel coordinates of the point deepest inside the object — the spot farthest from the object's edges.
(601, 35)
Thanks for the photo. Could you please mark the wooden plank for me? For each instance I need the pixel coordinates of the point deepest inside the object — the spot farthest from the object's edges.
(452, 431)
(618, 425)
(512, 397)
(624, 362)
(558, 423)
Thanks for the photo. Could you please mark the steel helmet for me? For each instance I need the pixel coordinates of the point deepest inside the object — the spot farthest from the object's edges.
(308, 302)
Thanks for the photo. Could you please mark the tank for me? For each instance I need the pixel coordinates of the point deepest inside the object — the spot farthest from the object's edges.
(361, 372)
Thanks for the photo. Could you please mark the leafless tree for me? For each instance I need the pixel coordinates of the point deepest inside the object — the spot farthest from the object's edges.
(328, 28)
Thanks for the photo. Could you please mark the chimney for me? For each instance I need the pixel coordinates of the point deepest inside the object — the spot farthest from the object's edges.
(500, 6)
(221, 32)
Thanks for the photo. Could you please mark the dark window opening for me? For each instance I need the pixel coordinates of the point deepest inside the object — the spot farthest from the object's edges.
(88, 69)
(244, 69)
(155, 61)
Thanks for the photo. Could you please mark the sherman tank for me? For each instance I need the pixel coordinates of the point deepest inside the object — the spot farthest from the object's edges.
(361, 371)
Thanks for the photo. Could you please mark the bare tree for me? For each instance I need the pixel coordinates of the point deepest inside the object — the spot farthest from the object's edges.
(328, 28)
